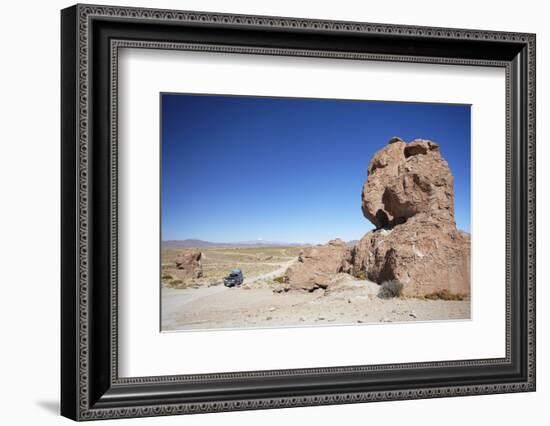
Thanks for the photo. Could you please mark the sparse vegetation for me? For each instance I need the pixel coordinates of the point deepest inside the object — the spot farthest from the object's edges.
(444, 295)
(217, 262)
(175, 283)
(390, 289)
(280, 280)
(361, 275)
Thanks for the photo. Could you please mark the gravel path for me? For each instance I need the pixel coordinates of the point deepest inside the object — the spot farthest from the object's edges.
(273, 274)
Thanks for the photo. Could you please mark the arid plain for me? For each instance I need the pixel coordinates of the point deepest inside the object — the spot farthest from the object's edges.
(261, 301)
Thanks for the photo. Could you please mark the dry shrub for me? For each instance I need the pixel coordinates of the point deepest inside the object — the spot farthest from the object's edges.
(390, 289)
(361, 275)
(176, 283)
(280, 280)
(444, 295)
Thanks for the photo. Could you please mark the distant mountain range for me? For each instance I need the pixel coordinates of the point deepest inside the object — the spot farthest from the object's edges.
(193, 243)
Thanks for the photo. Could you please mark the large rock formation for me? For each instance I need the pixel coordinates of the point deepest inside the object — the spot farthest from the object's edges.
(405, 180)
(188, 264)
(317, 265)
(409, 197)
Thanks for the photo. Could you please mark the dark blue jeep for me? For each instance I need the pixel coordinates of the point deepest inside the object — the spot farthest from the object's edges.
(234, 278)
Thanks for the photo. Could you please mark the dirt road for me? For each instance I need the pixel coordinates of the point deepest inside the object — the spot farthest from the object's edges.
(273, 274)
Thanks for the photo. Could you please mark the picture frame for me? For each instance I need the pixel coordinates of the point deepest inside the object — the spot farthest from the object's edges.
(90, 384)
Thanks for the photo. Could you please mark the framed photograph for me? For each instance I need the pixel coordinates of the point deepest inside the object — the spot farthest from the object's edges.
(263, 212)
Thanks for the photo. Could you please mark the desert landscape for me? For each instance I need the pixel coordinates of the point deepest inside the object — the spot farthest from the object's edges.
(261, 300)
(414, 266)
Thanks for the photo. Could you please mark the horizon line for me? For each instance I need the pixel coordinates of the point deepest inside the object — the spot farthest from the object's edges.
(271, 242)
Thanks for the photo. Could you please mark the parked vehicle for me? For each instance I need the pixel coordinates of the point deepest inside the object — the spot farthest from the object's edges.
(235, 278)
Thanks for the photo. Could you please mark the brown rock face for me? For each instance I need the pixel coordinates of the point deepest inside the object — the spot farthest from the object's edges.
(316, 266)
(405, 180)
(409, 197)
(189, 264)
(423, 256)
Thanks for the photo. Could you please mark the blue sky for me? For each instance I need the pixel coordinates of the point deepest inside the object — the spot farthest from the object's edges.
(289, 169)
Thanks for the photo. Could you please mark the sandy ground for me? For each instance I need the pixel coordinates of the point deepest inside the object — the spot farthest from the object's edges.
(257, 264)
(272, 274)
(354, 303)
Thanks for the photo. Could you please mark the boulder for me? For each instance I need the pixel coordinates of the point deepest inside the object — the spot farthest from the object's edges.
(188, 264)
(405, 180)
(425, 257)
(281, 288)
(316, 266)
(382, 169)
(409, 197)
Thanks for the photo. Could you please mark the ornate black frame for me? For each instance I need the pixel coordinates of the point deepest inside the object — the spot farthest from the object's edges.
(91, 37)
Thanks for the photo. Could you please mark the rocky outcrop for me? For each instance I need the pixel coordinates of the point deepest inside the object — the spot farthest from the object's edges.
(409, 197)
(188, 264)
(316, 266)
(405, 180)
(425, 257)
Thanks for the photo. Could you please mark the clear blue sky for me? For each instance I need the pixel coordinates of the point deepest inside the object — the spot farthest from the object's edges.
(288, 169)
